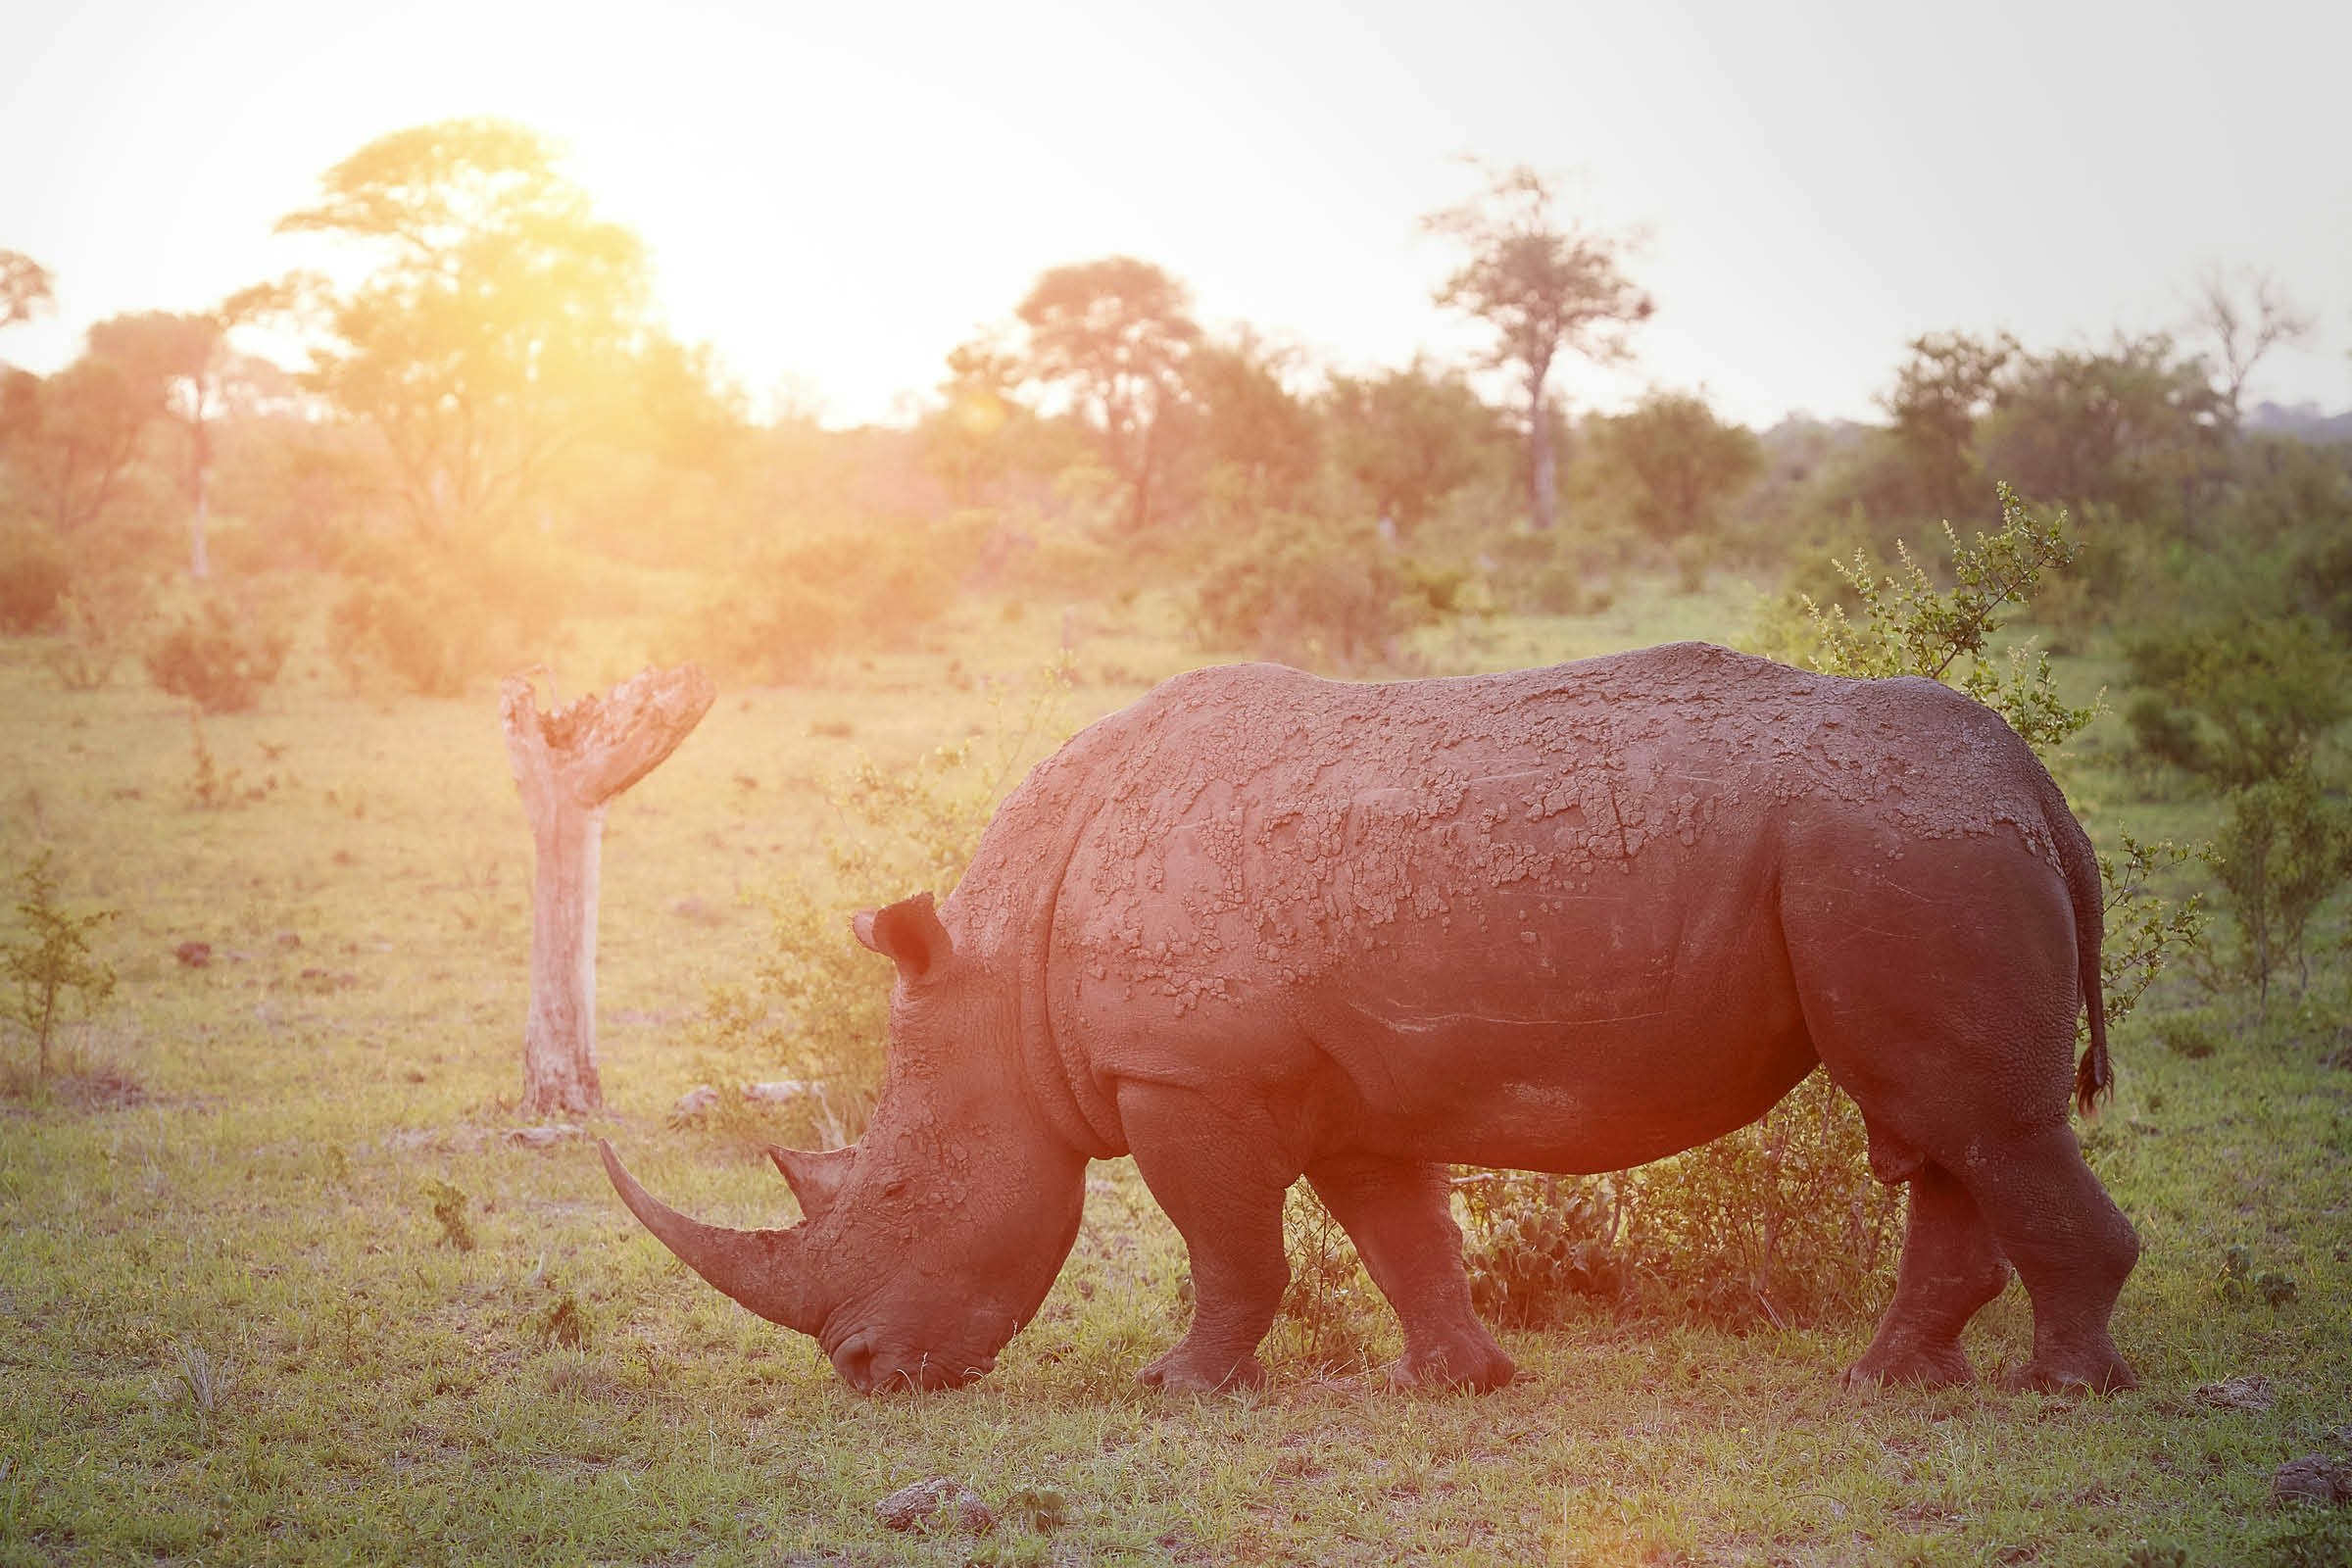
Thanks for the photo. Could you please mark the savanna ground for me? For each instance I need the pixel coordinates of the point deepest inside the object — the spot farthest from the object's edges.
(236, 1331)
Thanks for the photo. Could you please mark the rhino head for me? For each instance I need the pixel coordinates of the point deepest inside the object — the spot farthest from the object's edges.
(929, 1243)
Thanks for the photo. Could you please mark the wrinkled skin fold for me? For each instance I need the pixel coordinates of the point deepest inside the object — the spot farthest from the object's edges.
(1262, 926)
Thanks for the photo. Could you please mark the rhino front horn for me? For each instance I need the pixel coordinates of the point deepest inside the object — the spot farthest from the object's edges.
(757, 1268)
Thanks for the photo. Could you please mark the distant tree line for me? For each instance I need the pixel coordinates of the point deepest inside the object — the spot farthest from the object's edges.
(493, 436)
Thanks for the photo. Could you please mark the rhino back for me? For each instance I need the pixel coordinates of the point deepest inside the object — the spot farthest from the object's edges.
(1254, 821)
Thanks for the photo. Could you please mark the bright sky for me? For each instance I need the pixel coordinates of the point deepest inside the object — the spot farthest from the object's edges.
(837, 194)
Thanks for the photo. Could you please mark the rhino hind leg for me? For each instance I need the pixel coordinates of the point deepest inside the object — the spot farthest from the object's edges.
(1399, 1214)
(1951, 1266)
(1220, 1175)
(2072, 1247)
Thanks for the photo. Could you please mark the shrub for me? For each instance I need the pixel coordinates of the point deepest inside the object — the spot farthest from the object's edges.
(1320, 596)
(1781, 1221)
(33, 579)
(2283, 848)
(1564, 588)
(425, 641)
(102, 618)
(770, 627)
(780, 617)
(1326, 1308)
(447, 1203)
(2239, 701)
(818, 1002)
(49, 964)
(1536, 1241)
(218, 658)
(2190, 1035)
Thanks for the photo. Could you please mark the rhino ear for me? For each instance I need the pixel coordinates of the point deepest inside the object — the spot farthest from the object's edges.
(909, 934)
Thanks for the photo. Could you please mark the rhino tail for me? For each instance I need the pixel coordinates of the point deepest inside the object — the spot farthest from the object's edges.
(2095, 1074)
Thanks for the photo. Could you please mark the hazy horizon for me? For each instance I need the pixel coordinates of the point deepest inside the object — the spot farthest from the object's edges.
(835, 201)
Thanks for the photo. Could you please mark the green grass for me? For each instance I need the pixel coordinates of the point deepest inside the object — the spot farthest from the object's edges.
(231, 1330)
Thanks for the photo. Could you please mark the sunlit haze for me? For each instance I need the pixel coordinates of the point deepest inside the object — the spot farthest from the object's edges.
(834, 196)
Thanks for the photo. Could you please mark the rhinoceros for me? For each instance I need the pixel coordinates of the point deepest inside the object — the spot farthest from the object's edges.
(1261, 925)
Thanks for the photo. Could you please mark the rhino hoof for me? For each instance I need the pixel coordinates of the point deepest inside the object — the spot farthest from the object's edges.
(1482, 1368)
(2090, 1374)
(1180, 1372)
(1943, 1367)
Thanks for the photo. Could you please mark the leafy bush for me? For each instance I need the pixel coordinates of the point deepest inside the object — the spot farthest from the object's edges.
(220, 659)
(1903, 625)
(1536, 1241)
(1564, 588)
(2283, 848)
(49, 964)
(102, 618)
(1781, 1221)
(1320, 596)
(34, 579)
(781, 617)
(425, 641)
(817, 1001)
(1326, 1309)
(2239, 701)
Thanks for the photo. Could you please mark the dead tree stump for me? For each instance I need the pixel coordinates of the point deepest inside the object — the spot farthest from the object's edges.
(569, 765)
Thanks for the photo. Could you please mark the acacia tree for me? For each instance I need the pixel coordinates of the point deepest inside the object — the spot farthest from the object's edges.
(2245, 318)
(1546, 283)
(1260, 442)
(968, 439)
(1408, 438)
(1114, 333)
(486, 337)
(1947, 382)
(72, 437)
(1682, 460)
(194, 376)
(2133, 425)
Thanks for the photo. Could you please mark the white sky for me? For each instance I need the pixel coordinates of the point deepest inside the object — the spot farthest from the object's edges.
(835, 194)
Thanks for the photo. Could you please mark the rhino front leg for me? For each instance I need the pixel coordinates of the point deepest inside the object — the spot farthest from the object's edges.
(1220, 1175)
(1399, 1214)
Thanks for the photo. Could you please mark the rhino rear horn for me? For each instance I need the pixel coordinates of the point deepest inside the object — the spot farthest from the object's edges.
(759, 1269)
(816, 1178)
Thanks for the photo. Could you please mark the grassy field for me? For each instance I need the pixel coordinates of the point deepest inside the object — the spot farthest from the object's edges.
(232, 1328)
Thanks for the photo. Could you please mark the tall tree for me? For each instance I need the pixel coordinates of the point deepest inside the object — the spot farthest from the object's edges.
(1683, 461)
(1261, 442)
(72, 437)
(967, 440)
(2245, 318)
(1114, 333)
(196, 376)
(1408, 438)
(486, 337)
(26, 288)
(1945, 386)
(2133, 425)
(1546, 283)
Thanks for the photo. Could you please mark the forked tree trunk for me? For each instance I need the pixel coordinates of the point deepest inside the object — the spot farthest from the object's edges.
(569, 765)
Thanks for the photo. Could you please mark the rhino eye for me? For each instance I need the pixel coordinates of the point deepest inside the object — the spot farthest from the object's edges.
(894, 1187)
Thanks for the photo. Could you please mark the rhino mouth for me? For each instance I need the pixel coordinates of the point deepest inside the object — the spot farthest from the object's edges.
(873, 1370)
